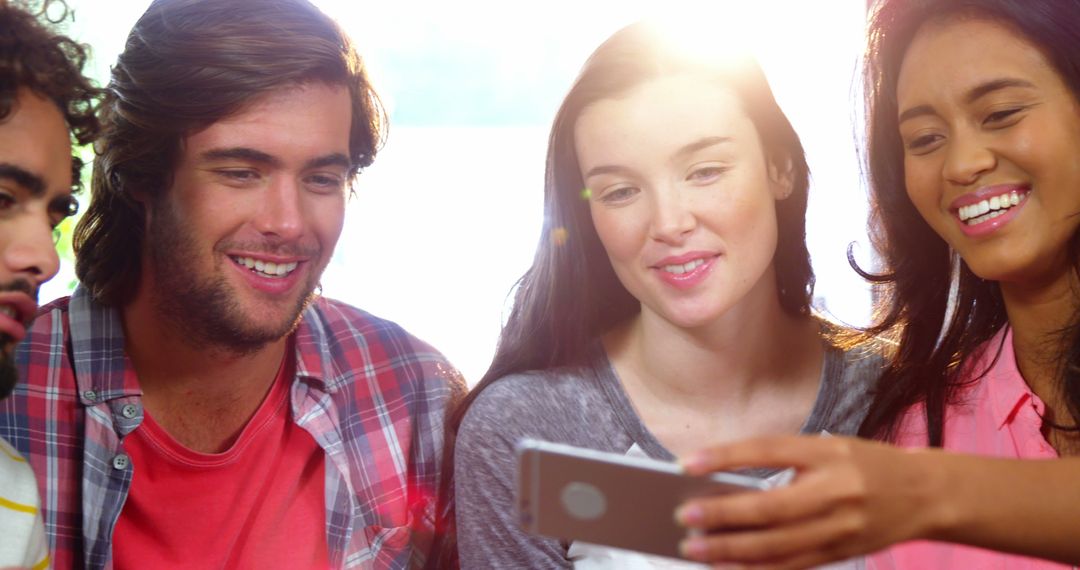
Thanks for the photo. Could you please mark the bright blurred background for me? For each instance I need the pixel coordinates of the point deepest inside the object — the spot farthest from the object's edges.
(448, 217)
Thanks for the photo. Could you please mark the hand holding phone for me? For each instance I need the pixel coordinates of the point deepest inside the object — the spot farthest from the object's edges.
(604, 498)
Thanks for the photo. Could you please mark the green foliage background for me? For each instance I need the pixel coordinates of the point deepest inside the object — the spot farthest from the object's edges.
(67, 227)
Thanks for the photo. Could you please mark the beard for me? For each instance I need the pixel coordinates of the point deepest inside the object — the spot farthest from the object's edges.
(204, 308)
(9, 375)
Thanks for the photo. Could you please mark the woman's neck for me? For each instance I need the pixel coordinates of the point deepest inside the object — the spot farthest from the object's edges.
(1040, 317)
(741, 376)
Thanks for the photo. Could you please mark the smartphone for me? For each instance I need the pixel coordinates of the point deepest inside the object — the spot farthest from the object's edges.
(572, 493)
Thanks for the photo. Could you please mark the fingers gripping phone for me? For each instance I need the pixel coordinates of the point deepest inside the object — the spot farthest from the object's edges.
(574, 493)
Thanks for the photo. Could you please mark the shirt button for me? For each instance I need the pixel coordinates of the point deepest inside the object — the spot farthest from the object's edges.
(121, 462)
(90, 395)
(129, 411)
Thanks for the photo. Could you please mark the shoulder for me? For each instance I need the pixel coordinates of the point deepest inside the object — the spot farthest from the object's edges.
(54, 307)
(20, 513)
(341, 322)
(347, 341)
(48, 317)
(537, 393)
(17, 482)
(555, 405)
(862, 357)
(864, 362)
(42, 351)
(854, 362)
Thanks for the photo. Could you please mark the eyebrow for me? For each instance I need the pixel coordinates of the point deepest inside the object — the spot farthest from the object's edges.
(701, 144)
(687, 149)
(257, 156)
(23, 177)
(335, 159)
(973, 95)
(984, 89)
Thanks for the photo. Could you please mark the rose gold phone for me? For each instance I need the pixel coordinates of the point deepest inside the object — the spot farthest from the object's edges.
(574, 493)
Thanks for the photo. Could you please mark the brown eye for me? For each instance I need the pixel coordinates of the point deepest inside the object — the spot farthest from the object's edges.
(64, 207)
(72, 206)
(619, 194)
(706, 174)
(923, 144)
(999, 116)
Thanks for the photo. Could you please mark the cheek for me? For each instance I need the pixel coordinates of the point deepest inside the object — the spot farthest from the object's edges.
(751, 228)
(741, 216)
(326, 219)
(919, 185)
(619, 230)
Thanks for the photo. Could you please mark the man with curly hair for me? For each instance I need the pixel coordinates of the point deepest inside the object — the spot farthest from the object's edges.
(44, 101)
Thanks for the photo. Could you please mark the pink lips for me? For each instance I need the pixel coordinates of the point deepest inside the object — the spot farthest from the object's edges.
(986, 193)
(689, 278)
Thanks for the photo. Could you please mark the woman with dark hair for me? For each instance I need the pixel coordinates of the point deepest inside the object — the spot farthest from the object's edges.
(974, 162)
(668, 303)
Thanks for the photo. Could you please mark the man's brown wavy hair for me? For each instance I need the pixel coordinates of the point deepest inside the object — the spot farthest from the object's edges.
(186, 65)
(35, 57)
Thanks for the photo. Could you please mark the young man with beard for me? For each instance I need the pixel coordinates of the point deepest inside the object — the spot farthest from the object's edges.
(194, 403)
(44, 101)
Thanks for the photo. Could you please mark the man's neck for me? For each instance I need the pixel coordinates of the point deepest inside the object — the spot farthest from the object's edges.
(202, 396)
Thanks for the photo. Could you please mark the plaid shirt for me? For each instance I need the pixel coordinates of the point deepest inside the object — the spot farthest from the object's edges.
(371, 395)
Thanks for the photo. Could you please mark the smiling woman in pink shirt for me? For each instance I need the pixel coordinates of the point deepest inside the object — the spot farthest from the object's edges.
(973, 151)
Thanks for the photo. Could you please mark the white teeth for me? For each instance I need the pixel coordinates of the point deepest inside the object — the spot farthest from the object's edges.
(685, 267)
(266, 267)
(988, 209)
(7, 311)
(985, 217)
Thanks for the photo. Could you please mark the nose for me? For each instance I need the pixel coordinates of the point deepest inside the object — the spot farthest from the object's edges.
(967, 158)
(28, 251)
(672, 218)
(281, 211)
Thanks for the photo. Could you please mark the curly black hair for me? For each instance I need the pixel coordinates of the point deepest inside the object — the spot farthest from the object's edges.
(48, 63)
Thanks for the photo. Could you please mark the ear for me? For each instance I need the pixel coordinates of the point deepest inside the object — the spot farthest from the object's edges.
(781, 176)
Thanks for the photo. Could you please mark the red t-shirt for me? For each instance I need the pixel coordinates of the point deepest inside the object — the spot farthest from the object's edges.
(260, 504)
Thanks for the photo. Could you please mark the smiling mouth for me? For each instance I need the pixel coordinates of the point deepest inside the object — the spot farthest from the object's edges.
(12, 312)
(22, 319)
(265, 268)
(991, 208)
(681, 268)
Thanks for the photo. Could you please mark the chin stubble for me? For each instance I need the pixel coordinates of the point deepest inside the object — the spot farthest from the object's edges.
(9, 374)
(204, 309)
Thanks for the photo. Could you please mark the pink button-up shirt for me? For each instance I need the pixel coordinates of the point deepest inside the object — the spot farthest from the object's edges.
(999, 416)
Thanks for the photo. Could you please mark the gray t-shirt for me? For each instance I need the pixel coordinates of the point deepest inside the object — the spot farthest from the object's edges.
(587, 407)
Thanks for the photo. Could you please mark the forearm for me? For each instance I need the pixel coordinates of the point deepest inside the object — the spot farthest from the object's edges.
(1028, 507)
